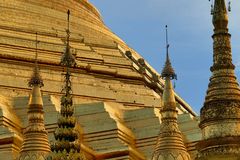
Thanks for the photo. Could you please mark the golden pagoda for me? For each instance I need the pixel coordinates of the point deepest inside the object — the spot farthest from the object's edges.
(35, 144)
(117, 94)
(220, 115)
(170, 145)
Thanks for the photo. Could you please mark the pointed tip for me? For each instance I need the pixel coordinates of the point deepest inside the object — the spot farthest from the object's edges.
(68, 59)
(68, 13)
(68, 24)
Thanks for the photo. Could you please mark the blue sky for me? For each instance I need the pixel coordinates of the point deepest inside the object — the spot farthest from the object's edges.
(140, 23)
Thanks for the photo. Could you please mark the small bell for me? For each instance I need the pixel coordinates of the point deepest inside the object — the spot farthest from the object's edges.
(212, 10)
(229, 6)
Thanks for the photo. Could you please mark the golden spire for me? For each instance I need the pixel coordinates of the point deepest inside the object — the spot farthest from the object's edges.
(35, 145)
(67, 144)
(170, 143)
(220, 118)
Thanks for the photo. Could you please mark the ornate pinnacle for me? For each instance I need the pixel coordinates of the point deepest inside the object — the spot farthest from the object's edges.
(220, 118)
(170, 141)
(35, 144)
(168, 70)
(67, 145)
(36, 78)
(222, 45)
(68, 59)
(220, 17)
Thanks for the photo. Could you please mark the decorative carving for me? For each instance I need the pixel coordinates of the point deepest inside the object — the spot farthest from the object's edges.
(178, 155)
(220, 150)
(217, 110)
(33, 156)
(169, 126)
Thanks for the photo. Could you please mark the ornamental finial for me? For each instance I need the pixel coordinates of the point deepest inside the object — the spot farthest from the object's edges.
(220, 14)
(36, 78)
(168, 70)
(68, 59)
(67, 145)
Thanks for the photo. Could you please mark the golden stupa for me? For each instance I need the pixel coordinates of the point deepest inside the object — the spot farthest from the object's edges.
(116, 96)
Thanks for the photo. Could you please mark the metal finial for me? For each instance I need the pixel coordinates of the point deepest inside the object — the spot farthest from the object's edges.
(68, 12)
(36, 55)
(68, 19)
(68, 59)
(167, 36)
(36, 79)
(167, 44)
(168, 71)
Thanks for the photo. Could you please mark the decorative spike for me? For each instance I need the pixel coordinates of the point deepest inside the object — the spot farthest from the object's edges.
(67, 145)
(67, 58)
(36, 78)
(168, 70)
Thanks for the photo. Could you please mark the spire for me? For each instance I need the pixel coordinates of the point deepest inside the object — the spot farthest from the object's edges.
(168, 70)
(68, 60)
(67, 141)
(220, 118)
(36, 79)
(170, 143)
(35, 145)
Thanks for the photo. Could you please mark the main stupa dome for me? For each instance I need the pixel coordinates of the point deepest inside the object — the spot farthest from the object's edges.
(49, 17)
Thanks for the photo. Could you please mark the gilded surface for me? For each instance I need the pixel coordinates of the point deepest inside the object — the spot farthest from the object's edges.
(220, 115)
(103, 75)
(35, 144)
(170, 145)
